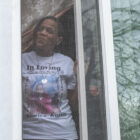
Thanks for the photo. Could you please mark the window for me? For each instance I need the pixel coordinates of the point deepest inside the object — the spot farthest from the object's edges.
(106, 66)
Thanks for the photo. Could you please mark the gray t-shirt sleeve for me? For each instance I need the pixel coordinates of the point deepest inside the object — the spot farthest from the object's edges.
(71, 81)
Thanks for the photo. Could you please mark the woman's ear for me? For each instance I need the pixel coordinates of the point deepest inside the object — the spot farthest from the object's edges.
(59, 40)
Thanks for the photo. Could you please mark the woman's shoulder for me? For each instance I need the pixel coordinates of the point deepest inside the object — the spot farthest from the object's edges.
(64, 57)
(28, 54)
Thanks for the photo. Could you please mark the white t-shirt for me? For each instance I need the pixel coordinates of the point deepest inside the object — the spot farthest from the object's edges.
(47, 114)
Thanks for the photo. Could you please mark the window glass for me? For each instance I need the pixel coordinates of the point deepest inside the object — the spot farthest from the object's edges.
(50, 100)
(44, 76)
(126, 33)
(95, 96)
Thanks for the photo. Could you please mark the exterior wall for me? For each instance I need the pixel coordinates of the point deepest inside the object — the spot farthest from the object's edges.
(126, 25)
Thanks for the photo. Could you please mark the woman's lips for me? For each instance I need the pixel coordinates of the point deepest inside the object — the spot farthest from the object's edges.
(40, 41)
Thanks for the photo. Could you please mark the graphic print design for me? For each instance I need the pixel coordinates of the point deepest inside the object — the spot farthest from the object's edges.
(44, 96)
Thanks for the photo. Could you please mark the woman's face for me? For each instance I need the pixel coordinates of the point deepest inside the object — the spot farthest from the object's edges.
(47, 36)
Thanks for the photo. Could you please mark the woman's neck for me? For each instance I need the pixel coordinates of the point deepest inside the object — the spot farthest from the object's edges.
(44, 54)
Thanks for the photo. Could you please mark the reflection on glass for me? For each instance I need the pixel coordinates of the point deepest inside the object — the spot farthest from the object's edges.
(50, 104)
(93, 68)
(126, 21)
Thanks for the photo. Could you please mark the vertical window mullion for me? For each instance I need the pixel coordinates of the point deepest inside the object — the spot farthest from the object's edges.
(81, 72)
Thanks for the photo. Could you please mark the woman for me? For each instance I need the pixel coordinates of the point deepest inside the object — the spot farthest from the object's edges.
(53, 72)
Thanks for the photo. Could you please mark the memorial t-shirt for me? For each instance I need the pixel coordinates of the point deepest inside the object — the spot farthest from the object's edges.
(45, 82)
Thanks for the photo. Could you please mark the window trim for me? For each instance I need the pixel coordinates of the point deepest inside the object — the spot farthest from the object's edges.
(81, 72)
(16, 72)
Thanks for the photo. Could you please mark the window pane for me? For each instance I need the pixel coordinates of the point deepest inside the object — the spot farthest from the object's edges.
(93, 71)
(50, 106)
(126, 23)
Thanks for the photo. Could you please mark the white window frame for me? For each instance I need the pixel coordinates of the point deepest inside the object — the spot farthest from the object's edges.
(81, 72)
(111, 99)
(16, 71)
(112, 115)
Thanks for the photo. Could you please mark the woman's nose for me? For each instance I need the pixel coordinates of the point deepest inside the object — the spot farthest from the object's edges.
(43, 31)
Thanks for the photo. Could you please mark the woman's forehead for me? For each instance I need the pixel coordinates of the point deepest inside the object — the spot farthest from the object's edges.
(50, 23)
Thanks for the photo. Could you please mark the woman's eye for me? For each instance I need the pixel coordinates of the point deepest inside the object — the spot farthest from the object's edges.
(50, 31)
(40, 28)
